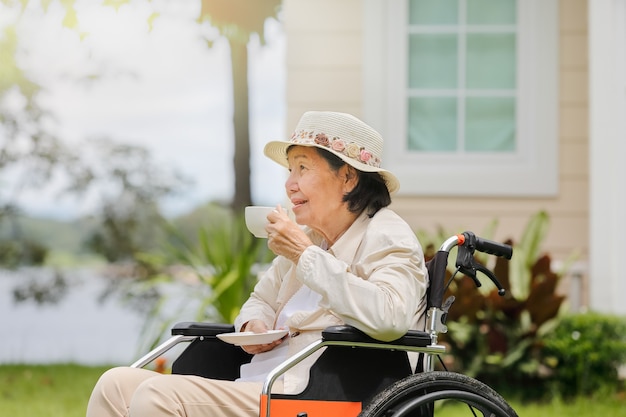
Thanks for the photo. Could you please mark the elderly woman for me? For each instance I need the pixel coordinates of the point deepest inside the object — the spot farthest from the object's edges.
(354, 262)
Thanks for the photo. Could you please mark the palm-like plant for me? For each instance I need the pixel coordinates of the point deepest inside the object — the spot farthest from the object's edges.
(204, 275)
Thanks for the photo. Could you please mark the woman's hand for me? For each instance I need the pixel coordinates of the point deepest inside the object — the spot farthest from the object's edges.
(285, 237)
(257, 326)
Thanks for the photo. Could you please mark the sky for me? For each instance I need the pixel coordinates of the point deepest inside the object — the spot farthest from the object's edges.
(163, 89)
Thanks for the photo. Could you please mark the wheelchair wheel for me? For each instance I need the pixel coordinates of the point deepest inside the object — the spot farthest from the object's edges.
(428, 394)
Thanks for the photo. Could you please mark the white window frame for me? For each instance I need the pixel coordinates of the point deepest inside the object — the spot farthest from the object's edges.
(532, 171)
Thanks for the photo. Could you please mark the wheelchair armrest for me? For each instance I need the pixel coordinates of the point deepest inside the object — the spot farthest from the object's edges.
(190, 328)
(206, 355)
(351, 334)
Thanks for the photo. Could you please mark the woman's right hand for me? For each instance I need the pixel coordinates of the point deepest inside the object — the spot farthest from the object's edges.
(258, 326)
(285, 237)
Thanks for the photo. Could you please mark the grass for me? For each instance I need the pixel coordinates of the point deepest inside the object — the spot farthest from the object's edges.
(63, 391)
(605, 405)
(46, 390)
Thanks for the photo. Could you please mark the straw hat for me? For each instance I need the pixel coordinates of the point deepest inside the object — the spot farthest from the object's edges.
(342, 134)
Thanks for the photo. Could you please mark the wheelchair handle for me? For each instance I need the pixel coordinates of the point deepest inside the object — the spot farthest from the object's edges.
(493, 248)
(478, 243)
(467, 242)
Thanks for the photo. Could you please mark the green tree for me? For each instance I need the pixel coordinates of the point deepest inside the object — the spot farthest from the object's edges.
(26, 144)
(237, 21)
(129, 184)
(29, 152)
(122, 179)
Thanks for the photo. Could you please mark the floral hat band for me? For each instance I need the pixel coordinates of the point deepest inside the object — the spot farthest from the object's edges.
(347, 137)
(351, 150)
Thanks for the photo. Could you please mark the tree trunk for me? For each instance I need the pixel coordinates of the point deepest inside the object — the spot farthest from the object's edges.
(239, 61)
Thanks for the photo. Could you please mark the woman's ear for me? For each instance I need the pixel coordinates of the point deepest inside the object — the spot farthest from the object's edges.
(351, 178)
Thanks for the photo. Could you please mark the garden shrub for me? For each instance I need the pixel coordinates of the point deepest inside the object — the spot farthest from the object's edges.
(584, 353)
(497, 339)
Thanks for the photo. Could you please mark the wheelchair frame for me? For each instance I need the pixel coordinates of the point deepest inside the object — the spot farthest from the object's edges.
(412, 395)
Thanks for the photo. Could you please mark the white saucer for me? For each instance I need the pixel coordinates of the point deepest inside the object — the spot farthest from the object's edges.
(251, 338)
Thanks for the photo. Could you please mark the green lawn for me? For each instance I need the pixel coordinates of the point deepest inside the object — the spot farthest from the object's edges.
(63, 391)
(46, 390)
(613, 406)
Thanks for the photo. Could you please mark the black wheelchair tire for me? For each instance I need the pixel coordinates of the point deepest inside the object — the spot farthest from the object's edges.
(416, 394)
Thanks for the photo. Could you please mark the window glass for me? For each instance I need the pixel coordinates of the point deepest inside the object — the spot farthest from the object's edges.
(490, 61)
(466, 68)
(490, 124)
(432, 124)
(433, 12)
(433, 61)
(480, 12)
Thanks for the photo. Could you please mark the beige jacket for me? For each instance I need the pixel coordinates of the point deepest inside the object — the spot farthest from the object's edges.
(373, 278)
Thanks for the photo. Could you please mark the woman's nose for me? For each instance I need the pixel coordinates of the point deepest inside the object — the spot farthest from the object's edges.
(291, 184)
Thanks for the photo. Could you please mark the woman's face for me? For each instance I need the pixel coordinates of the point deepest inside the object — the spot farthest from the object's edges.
(315, 190)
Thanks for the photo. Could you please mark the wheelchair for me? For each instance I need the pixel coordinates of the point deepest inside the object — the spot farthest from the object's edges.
(356, 375)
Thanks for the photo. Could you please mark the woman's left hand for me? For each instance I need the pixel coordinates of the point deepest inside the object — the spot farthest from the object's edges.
(257, 326)
(285, 237)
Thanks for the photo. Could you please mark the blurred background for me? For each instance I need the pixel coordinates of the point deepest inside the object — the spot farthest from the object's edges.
(163, 84)
(116, 116)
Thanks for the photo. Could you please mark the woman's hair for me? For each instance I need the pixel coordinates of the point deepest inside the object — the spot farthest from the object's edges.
(371, 192)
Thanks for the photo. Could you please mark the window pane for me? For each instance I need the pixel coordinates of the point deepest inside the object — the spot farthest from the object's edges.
(490, 124)
(485, 12)
(432, 124)
(433, 61)
(491, 61)
(433, 12)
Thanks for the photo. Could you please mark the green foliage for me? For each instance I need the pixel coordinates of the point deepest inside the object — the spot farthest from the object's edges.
(499, 339)
(122, 179)
(219, 267)
(124, 233)
(584, 353)
(223, 258)
(16, 249)
(14, 253)
(40, 155)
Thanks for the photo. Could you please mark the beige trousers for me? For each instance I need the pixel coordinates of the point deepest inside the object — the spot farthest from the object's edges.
(132, 392)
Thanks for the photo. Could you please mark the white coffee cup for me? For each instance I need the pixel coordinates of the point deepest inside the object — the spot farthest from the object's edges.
(256, 219)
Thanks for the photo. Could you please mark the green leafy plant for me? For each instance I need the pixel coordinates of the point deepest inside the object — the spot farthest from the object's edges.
(584, 353)
(224, 259)
(499, 339)
(217, 270)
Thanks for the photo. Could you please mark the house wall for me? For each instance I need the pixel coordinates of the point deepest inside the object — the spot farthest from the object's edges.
(324, 72)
